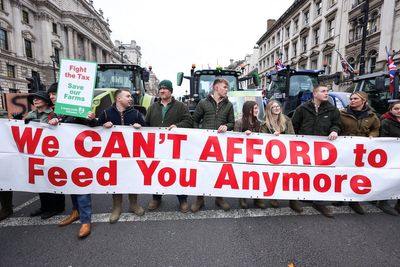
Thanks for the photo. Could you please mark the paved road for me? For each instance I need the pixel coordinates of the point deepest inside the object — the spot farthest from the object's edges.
(271, 237)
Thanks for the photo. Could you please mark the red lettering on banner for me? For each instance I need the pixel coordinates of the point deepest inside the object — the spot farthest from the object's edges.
(50, 146)
(80, 144)
(57, 176)
(332, 153)
(281, 155)
(212, 149)
(110, 171)
(140, 144)
(317, 183)
(270, 183)
(338, 182)
(296, 177)
(382, 158)
(231, 150)
(116, 138)
(26, 139)
(250, 150)
(299, 149)
(246, 180)
(163, 174)
(226, 177)
(176, 144)
(82, 176)
(359, 151)
(147, 171)
(183, 181)
(31, 169)
(360, 184)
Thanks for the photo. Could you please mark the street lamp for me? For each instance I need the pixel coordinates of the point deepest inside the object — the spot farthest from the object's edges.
(121, 51)
(53, 59)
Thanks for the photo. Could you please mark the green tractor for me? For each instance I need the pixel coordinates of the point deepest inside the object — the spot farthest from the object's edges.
(376, 85)
(111, 77)
(201, 85)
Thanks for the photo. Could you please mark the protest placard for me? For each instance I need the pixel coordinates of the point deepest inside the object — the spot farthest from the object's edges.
(75, 88)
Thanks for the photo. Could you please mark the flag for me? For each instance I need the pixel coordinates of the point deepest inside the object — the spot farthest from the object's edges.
(279, 65)
(346, 68)
(392, 68)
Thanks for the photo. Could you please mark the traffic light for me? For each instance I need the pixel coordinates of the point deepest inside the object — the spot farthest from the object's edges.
(35, 84)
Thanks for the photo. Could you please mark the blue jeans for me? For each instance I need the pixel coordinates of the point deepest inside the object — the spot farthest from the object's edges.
(83, 204)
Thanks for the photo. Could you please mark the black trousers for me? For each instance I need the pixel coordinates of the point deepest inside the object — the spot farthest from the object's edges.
(180, 197)
(6, 200)
(52, 202)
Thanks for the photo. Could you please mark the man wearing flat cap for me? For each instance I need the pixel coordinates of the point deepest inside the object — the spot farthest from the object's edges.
(170, 113)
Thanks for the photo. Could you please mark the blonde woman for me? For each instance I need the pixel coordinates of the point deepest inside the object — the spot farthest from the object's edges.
(278, 123)
(248, 124)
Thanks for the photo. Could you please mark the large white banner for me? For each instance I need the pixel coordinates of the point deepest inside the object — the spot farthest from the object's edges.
(76, 159)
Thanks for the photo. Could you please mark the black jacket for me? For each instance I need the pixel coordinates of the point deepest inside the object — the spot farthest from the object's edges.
(128, 117)
(307, 121)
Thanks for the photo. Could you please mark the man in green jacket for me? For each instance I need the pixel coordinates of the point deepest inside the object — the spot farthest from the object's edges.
(170, 113)
(215, 112)
(318, 117)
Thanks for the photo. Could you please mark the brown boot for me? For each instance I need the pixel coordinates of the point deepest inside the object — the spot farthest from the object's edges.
(357, 208)
(154, 204)
(184, 206)
(116, 208)
(259, 203)
(274, 203)
(386, 208)
(295, 205)
(134, 206)
(220, 202)
(324, 210)
(243, 203)
(85, 230)
(74, 216)
(198, 204)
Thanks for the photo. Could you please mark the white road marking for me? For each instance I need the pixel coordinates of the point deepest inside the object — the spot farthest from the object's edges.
(30, 201)
(176, 215)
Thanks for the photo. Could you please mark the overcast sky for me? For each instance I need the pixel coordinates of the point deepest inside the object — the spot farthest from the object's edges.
(173, 34)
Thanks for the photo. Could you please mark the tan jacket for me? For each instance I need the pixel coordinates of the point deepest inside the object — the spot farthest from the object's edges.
(366, 125)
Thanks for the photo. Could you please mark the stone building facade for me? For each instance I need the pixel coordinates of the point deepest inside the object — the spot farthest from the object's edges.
(34, 34)
(308, 33)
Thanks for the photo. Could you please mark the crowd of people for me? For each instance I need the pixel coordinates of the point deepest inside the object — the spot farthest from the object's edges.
(314, 117)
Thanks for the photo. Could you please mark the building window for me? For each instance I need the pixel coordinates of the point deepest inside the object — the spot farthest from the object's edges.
(373, 23)
(25, 16)
(331, 28)
(318, 8)
(1, 5)
(355, 31)
(287, 30)
(267, 61)
(372, 61)
(54, 28)
(57, 55)
(304, 43)
(296, 25)
(306, 17)
(294, 49)
(273, 41)
(10, 71)
(278, 36)
(94, 53)
(261, 50)
(28, 48)
(316, 36)
(328, 63)
(314, 64)
(3, 39)
(286, 55)
(269, 44)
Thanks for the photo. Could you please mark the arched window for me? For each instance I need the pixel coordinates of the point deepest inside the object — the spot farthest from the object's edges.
(371, 63)
(373, 22)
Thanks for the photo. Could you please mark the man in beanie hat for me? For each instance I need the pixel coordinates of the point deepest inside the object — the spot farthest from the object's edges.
(169, 113)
